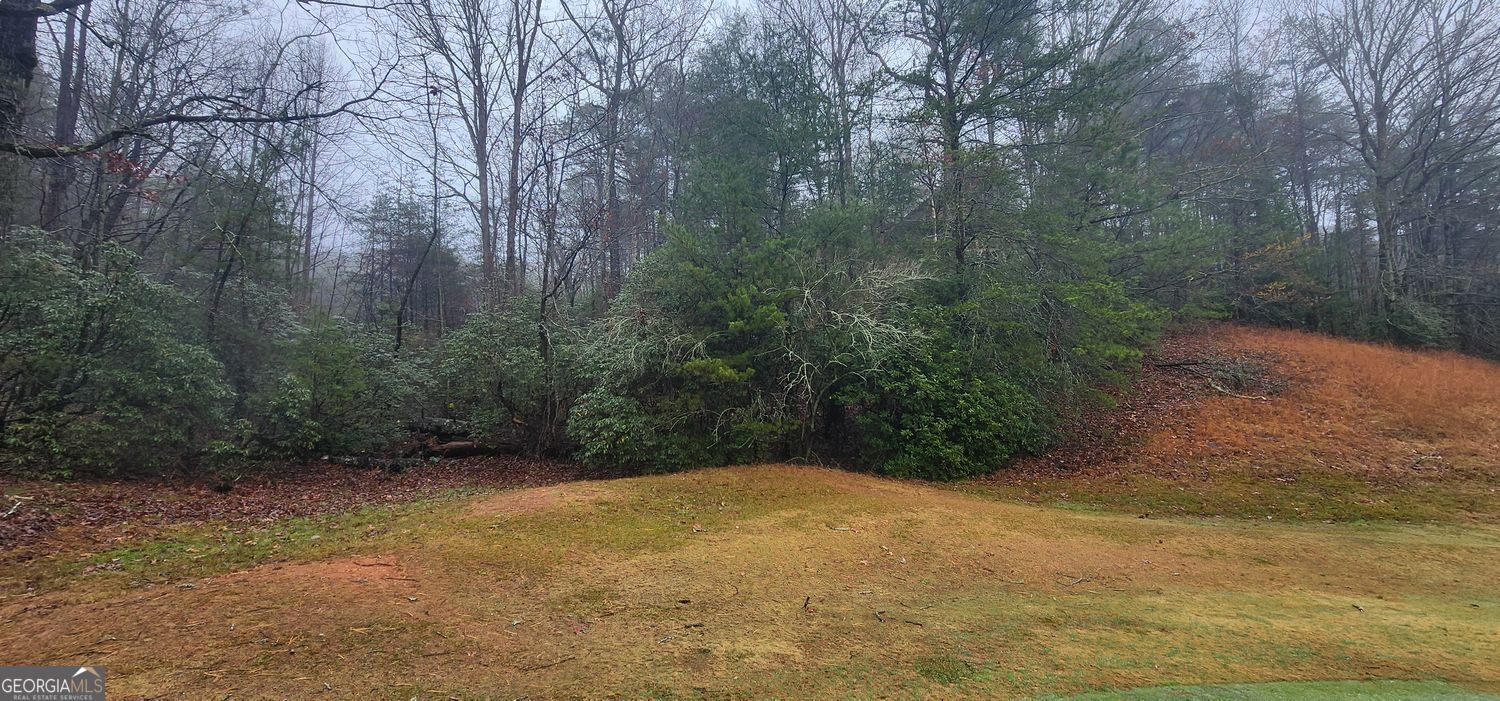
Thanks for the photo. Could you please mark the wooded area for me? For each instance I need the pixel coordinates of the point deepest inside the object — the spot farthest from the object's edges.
(916, 236)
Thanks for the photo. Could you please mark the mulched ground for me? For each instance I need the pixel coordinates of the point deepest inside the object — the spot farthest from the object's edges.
(32, 513)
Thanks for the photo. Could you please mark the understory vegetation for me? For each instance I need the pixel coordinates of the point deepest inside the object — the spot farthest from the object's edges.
(915, 238)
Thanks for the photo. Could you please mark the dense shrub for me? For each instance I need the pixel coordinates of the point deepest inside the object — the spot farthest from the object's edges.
(339, 388)
(1417, 323)
(98, 371)
(691, 347)
(616, 431)
(932, 414)
(490, 371)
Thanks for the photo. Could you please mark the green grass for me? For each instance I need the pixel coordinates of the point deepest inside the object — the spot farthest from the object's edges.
(779, 583)
(205, 550)
(1310, 495)
(655, 516)
(945, 669)
(182, 552)
(1294, 691)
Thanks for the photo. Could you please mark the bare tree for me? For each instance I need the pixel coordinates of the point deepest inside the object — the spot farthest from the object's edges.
(623, 44)
(462, 35)
(1420, 84)
(524, 35)
(841, 36)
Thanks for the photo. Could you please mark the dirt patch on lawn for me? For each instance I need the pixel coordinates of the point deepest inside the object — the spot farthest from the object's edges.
(175, 640)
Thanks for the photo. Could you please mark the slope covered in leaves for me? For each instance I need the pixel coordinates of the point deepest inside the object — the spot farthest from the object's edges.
(1241, 421)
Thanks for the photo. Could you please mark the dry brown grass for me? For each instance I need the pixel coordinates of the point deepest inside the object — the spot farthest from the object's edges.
(785, 582)
(1361, 431)
(1352, 406)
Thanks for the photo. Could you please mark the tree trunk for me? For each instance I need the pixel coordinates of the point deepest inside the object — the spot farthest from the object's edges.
(69, 86)
(17, 63)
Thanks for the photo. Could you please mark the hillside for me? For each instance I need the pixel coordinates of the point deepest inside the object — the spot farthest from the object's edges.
(779, 581)
(1239, 421)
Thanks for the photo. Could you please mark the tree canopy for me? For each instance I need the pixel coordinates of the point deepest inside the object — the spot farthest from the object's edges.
(917, 237)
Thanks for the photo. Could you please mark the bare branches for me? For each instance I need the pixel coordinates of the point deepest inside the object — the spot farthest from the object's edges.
(222, 110)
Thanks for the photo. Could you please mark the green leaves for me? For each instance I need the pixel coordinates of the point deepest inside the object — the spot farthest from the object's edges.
(934, 414)
(492, 362)
(97, 371)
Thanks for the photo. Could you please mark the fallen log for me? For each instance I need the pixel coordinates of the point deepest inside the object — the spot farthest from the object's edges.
(458, 449)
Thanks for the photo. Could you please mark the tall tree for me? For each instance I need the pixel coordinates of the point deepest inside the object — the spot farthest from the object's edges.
(623, 45)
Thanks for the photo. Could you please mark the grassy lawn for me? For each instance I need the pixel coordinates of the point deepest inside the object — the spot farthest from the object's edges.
(762, 582)
(1312, 495)
(1311, 691)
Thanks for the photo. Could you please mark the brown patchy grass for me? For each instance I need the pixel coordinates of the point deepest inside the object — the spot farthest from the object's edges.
(769, 582)
(45, 517)
(1361, 432)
